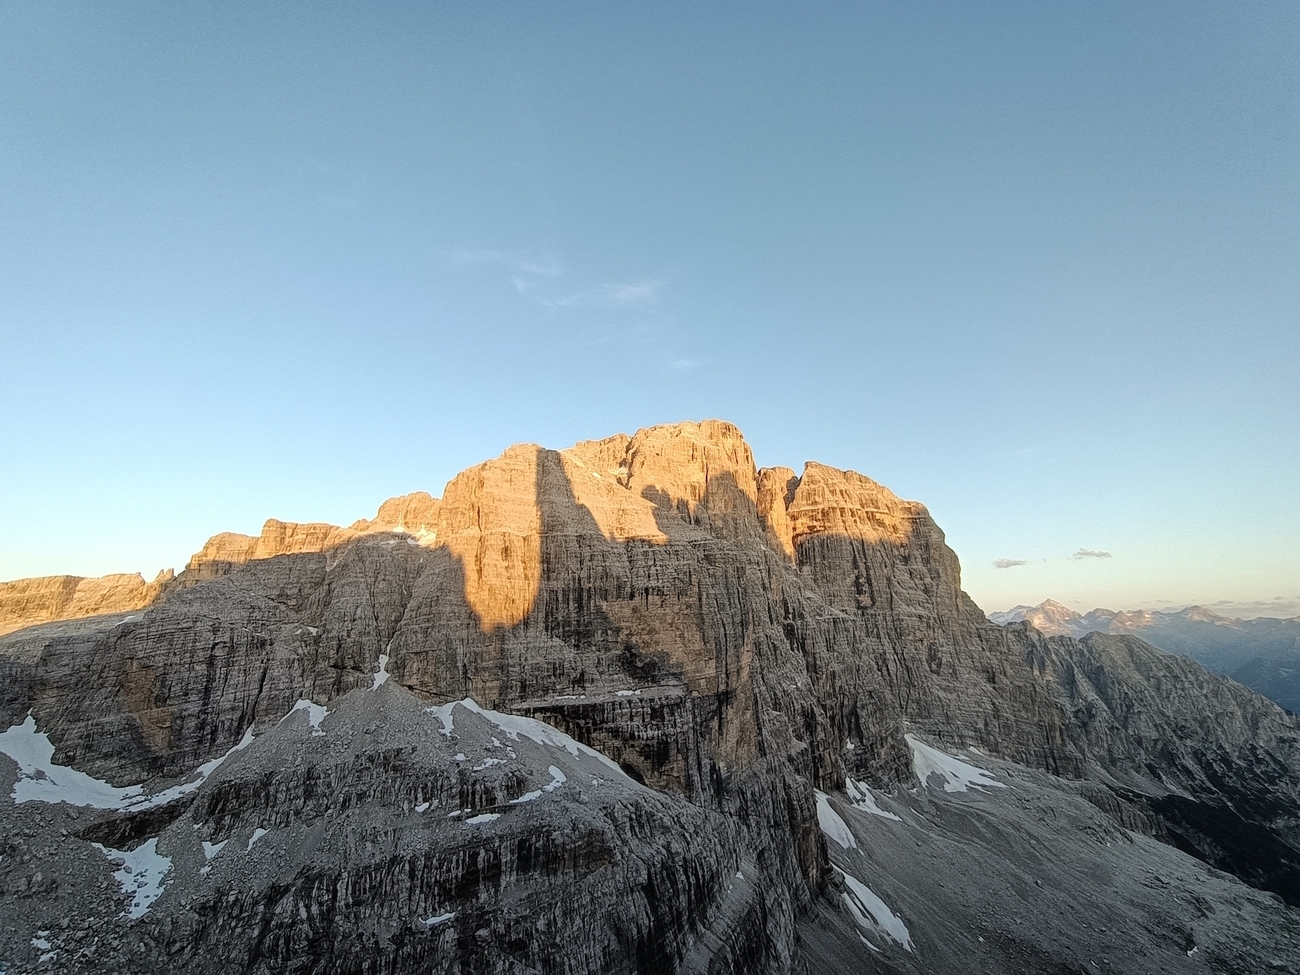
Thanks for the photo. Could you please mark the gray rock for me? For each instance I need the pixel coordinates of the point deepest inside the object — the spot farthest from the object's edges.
(732, 640)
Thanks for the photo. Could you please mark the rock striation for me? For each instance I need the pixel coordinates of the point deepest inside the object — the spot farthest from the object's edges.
(731, 642)
(26, 602)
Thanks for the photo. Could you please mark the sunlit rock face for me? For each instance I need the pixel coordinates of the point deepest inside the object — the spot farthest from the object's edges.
(27, 602)
(730, 640)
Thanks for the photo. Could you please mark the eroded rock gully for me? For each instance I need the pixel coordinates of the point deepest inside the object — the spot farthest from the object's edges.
(732, 640)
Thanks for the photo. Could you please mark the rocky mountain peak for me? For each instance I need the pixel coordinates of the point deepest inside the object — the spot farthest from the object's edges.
(747, 673)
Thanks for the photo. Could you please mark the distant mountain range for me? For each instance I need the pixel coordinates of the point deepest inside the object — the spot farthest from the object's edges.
(1263, 654)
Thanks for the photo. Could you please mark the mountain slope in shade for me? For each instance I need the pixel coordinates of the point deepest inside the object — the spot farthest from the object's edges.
(1263, 653)
(673, 669)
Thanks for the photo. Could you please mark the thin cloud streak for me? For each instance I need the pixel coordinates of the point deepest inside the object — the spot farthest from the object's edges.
(519, 262)
(683, 365)
(1009, 563)
(1090, 553)
(609, 297)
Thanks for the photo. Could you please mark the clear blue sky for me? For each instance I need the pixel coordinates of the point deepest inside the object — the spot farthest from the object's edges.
(1036, 265)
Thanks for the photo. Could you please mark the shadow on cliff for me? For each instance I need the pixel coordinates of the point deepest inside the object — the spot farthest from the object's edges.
(731, 653)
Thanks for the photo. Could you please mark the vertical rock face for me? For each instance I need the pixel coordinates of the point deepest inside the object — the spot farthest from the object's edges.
(731, 638)
(27, 602)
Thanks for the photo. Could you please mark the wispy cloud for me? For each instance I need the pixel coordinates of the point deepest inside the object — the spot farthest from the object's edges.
(538, 275)
(1009, 563)
(1283, 607)
(518, 262)
(683, 365)
(1090, 553)
(609, 297)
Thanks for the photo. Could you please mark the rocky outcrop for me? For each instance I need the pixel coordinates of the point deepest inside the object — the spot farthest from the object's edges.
(415, 513)
(733, 639)
(27, 602)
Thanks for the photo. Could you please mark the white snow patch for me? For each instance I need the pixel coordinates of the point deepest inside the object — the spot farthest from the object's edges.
(437, 919)
(315, 714)
(200, 776)
(140, 873)
(381, 675)
(41, 941)
(422, 807)
(957, 775)
(488, 762)
(40, 780)
(832, 825)
(459, 757)
(862, 798)
(482, 818)
(626, 693)
(558, 778)
(527, 797)
(516, 726)
(257, 835)
(212, 849)
(861, 902)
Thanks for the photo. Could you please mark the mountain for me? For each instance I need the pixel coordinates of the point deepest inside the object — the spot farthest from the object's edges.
(48, 598)
(1262, 653)
(634, 706)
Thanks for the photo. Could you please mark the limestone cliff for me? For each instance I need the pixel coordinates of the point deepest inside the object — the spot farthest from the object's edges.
(26, 602)
(732, 639)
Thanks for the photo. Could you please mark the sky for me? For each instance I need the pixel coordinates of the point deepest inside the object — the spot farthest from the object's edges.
(1034, 265)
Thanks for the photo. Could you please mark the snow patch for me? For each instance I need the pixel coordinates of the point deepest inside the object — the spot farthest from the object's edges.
(40, 780)
(315, 714)
(200, 776)
(482, 818)
(140, 873)
(437, 919)
(41, 941)
(626, 693)
(832, 825)
(516, 727)
(381, 675)
(488, 763)
(558, 778)
(958, 776)
(212, 849)
(872, 913)
(862, 798)
(422, 807)
(257, 835)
